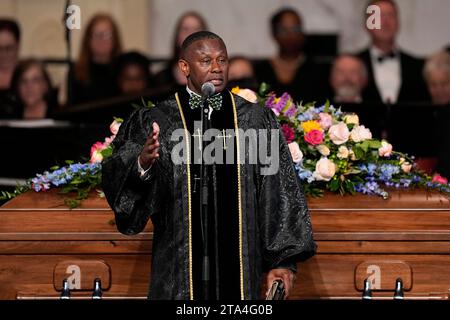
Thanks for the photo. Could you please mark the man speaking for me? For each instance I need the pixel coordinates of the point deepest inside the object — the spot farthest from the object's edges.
(218, 225)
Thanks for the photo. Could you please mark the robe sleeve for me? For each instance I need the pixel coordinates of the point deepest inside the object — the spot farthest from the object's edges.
(132, 198)
(284, 218)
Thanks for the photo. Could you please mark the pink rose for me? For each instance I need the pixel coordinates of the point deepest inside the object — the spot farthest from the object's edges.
(339, 133)
(437, 178)
(296, 153)
(108, 140)
(325, 120)
(385, 150)
(314, 137)
(406, 167)
(288, 132)
(114, 127)
(96, 152)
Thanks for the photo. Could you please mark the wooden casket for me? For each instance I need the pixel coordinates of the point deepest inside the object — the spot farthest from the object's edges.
(406, 237)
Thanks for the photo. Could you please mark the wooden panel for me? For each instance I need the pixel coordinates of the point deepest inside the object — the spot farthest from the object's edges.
(403, 199)
(32, 275)
(383, 247)
(76, 247)
(380, 221)
(52, 200)
(333, 275)
(383, 274)
(37, 232)
(381, 236)
(80, 274)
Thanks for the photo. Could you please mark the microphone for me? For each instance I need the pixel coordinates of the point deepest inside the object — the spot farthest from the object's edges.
(208, 89)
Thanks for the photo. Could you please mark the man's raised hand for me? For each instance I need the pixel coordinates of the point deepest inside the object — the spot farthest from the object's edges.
(150, 151)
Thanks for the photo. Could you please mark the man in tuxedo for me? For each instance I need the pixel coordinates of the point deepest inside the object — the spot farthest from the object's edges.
(394, 76)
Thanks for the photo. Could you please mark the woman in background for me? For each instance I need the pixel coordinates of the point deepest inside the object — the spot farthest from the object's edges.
(92, 76)
(291, 70)
(171, 78)
(32, 88)
(9, 53)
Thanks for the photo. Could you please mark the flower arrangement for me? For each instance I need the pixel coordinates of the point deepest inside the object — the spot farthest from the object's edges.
(333, 151)
(79, 178)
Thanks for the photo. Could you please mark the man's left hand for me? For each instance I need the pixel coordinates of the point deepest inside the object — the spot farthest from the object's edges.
(286, 275)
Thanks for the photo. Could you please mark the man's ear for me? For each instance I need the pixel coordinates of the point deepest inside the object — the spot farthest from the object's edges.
(184, 66)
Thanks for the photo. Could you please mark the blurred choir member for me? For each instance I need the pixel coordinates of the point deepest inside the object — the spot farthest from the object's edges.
(290, 70)
(170, 79)
(437, 77)
(33, 90)
(394, 76)
(92, 77)
(348, 79)
(132, 73)
(241, 73)
(9, 52)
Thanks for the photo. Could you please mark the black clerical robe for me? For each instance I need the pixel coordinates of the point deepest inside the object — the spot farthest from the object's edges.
(263, 221)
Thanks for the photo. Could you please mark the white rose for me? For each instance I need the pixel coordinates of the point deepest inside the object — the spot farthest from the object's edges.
(351, 119)
(360, 133)
(325, 170)
(385, 150)
(296, 153)
(339, 133)
(323, 149)
(248, 95)
(343, 152)
(406, 167)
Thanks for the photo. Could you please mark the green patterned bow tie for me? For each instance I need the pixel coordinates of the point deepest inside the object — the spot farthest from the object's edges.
(195, 101)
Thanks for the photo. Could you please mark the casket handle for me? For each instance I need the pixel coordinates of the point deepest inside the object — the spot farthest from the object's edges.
(367, 292)
(65, 294)
(398, 294)
(97, 294)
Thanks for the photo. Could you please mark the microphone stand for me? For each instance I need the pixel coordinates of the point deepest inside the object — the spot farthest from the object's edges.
(204, 179)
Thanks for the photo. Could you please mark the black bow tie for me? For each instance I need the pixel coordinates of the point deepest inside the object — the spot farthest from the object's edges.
(195, 101)
(388, 56)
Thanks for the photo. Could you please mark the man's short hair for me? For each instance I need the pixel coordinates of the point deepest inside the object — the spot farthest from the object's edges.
(391, 2)
(197, 36)
(10, 26)
(363, 69)
(277, 16)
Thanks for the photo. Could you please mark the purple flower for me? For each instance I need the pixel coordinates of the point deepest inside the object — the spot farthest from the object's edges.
(291, 111)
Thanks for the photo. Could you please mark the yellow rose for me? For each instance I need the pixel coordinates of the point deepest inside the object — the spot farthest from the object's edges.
(351, 119)
(235, 90)
(310, 125)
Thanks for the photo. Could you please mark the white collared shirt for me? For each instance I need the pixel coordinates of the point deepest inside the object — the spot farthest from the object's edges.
(387, 75)
(191, 92)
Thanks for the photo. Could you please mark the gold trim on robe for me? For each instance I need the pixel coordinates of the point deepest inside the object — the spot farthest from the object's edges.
(241, 263)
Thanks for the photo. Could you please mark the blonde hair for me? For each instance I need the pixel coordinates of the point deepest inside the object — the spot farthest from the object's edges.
(438, 61)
